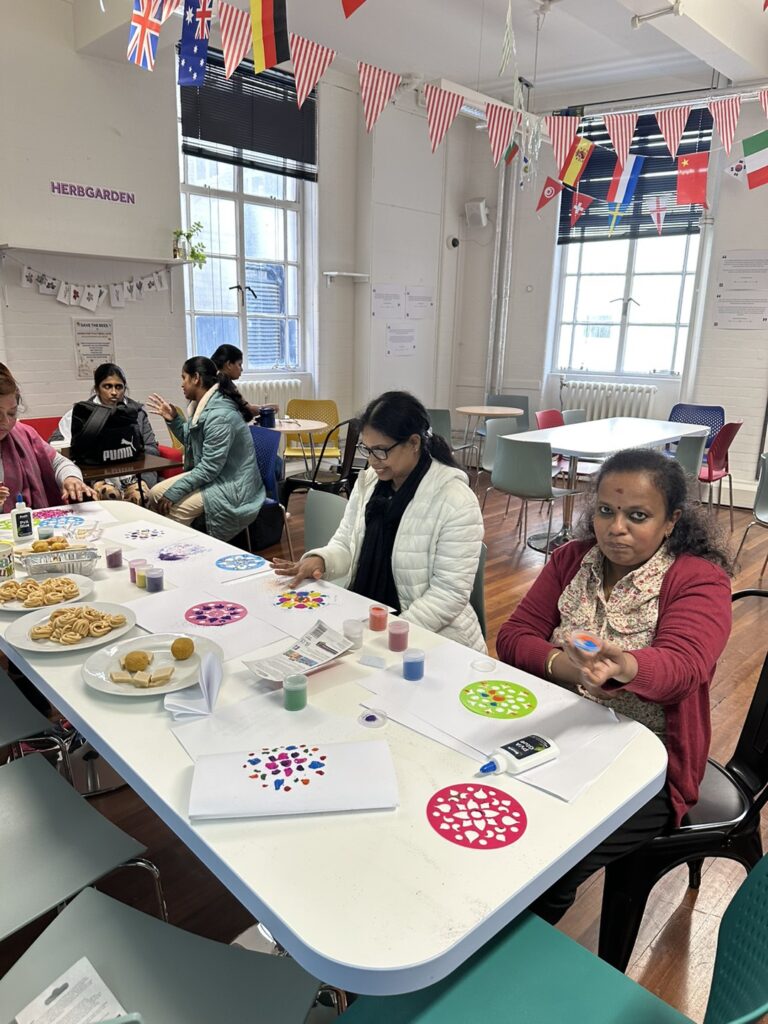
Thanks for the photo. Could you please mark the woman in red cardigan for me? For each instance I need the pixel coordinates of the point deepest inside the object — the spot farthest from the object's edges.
(650, 580)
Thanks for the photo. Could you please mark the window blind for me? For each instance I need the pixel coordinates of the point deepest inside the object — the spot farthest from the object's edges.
(250, 120)
(658, 179)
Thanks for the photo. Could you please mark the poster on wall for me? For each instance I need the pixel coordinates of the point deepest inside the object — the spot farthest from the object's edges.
(401, 341)
(419, 302)
(387, 300)
(94, 344)
(741, 298)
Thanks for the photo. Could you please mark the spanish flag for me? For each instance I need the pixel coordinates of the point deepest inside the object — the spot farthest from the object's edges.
(576, 161)
(270, 34)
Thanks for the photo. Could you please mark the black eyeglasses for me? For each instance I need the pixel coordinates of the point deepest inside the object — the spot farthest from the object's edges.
(380, 454)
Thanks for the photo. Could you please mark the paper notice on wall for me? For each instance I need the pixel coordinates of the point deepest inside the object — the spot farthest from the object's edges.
(741, 297)
(741, 310)
(419, 302)
(94, 345)
(387, 300)
(79, 996)
(401, 341)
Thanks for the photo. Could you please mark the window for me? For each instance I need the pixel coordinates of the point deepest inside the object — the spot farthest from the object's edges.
(255, 197)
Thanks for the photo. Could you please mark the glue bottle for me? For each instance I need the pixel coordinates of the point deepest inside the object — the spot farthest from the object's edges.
(21, 520)
(520, 755)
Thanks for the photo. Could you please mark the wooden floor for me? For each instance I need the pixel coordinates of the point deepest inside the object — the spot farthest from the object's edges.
(675, 950)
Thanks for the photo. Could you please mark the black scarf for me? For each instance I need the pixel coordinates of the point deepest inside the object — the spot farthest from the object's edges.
(385, 508)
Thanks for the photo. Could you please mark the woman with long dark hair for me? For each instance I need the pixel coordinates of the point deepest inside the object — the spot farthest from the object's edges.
(110, 388)
(221, 479)
(649, 580)
(412, 532)
(229, 361)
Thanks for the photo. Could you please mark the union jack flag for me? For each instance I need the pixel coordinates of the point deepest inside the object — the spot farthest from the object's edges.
(145, 29)
(203, 16)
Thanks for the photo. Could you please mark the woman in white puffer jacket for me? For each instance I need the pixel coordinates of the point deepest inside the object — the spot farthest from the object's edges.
(412, 531)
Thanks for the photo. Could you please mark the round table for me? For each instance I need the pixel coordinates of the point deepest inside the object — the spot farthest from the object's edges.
(485, 412)
(291, 426)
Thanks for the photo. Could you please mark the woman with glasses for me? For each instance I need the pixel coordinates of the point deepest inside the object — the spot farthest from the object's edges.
(412, 532)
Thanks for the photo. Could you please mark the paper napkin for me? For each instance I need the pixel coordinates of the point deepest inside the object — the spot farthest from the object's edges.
(200, 699)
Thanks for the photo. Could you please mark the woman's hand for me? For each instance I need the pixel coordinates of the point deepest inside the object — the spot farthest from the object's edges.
(608, 664)
(4, 494)
(310, 567)
(163, 506)
(157, 404)
(74, 489)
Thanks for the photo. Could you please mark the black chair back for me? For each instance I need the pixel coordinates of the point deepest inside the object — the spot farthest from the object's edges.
(749, 762)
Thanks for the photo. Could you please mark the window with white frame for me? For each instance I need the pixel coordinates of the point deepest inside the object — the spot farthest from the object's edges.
(625, 305)
(248, 177)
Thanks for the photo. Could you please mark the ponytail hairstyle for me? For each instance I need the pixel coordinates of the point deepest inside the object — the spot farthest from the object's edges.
(205, 369)
(400, 415)
(226, 354)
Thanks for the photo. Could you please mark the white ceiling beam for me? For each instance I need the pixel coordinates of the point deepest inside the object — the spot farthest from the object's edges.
(732, 36)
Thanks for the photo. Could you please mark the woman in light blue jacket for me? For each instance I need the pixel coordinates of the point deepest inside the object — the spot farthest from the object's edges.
(221, 479)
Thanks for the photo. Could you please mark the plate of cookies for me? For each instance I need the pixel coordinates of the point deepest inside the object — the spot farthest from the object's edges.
(27, 593)
(148, 665)
(70, 627)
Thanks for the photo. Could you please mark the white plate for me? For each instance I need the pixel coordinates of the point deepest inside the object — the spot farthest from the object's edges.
(18, 631)
(97, 668)
(84, 585)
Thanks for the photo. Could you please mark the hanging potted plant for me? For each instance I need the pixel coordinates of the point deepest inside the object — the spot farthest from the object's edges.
(185, 248)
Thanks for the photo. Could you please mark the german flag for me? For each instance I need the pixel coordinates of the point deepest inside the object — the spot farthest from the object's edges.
(270, 34)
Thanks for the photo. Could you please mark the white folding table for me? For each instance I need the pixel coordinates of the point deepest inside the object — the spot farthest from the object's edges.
(596, 440)
(374, 902)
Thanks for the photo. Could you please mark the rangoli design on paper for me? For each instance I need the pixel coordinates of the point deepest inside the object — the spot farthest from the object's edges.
(215, 613)
(53, 513)
(476, 816)
(180, 552)
(497, 698)
(296, 599)
(144, 533)
(283, 769)
(238, 563)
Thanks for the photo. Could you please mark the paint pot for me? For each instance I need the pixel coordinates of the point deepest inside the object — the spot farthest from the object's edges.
(44, 532)
(413, 665)
(398, 635)
(353, 631)
(154, 578)
(372, 719)
(133, 565)
(295, 693)
(113, 554)
(482, 665)
(141, 576)
(6, 560)
(377, 618)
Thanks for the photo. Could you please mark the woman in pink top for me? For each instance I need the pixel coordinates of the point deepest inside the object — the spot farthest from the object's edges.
(650, 581)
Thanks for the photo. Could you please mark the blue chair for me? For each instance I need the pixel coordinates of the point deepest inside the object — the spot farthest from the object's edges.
(265, 445)
(711, 416)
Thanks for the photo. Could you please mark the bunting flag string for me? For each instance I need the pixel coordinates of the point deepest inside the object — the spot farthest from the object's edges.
(725, 114)
(169, 7)
(235, 35)
(91, 296)
(562, 131)
(507, 46)
(502, 121)
(579, 206)
(310, 62)
(270, 34)
(377, 87)
(193, 52)
(621, 128)
(672, 123)
(442, 110)
(350, 6)
(144, 33)
(551, 189)
(763, 96)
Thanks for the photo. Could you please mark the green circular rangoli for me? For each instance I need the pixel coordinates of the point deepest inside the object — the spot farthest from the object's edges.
(497, 698)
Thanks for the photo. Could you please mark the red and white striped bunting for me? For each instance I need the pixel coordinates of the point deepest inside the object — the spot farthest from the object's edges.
(377, 87)
(502, 121)
(763, 97)
(310, 62)
(168, 8)
(562, 131)
(621, 128)
(442, 110)
(235, 35)
(725, 114)
(672, 124)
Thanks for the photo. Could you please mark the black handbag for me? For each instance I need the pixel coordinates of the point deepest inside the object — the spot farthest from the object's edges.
(102, 433)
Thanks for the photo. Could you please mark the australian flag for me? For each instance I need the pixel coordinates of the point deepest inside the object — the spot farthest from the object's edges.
(193, 53)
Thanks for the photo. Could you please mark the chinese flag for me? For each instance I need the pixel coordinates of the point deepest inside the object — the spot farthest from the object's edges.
(692, 179)
(350, 6)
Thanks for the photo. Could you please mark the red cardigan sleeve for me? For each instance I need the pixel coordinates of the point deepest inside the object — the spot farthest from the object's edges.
(523, 640)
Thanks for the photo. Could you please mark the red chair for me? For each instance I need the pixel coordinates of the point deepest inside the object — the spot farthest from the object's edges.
(44, 425)
(546, 418)
(717, 466)
(177, 454)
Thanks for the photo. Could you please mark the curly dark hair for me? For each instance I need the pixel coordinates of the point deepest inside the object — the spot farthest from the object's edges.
(695, 532)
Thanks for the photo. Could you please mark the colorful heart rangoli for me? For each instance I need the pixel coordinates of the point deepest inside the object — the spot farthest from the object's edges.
(497, 698)
(215, 613)
(307, 599)
(286, 768)
(476, 816)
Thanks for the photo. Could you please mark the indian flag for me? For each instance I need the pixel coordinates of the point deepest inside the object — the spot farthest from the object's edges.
(270, 34)
(756, 159)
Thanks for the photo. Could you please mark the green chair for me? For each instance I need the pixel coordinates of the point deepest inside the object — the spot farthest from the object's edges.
(689, 453)
(322, 514)
(20, 721)
(523, 469)
(495, 430)
(477, 597)
(53, 844)
(514, 402)
(167, 975)
(440, 420)
(533, 974)
(760, 508)
(574, 416)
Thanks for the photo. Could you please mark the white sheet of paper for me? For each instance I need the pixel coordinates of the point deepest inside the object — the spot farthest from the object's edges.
(264, 717)
(199, 699)
(265, 589)
(294, 778)
(241, 634)
(78, 996)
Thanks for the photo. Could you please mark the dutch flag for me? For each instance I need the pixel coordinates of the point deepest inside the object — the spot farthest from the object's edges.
(621, 191)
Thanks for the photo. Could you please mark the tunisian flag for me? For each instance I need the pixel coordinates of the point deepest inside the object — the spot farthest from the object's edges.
(350, 6)
(692, 179)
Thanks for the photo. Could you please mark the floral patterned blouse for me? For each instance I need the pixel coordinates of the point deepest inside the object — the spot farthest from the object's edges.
(627, 618)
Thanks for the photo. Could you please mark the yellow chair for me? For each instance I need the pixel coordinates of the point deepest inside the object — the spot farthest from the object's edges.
(175, 442)
(297, 446)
